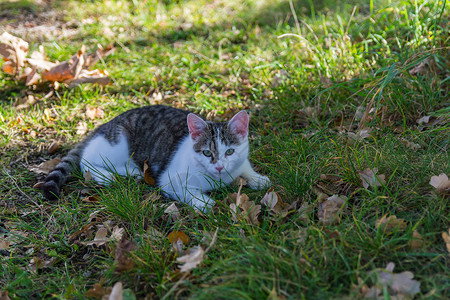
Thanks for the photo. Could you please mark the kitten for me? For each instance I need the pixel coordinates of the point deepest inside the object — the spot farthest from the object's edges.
(187, 156)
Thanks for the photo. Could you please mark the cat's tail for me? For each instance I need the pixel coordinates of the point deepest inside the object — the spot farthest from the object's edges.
(59, 175)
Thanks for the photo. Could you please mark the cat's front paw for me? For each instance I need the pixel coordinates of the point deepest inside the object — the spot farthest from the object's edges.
(202, 202)
(258, 182)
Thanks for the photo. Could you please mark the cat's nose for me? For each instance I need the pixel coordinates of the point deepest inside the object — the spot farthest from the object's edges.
(219, 168)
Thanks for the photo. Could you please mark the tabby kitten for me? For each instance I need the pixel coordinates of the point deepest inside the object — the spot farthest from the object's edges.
(187, 156)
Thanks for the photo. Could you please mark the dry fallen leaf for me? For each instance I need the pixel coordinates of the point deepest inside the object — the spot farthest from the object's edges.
(53, 147)
(241, 207)
(173, 211)
(4, 244)
(441, 183)
(87, 176)
(270, 199)
(426, 67)
(424, 119)
(370, 178)
(123, 263)
(81, 128)
(91, 199)
(331, 209)
(446, 237)
(359, 135)
(100, 238)
(117, 233)
(4, 295)
(67, 70)
(94, 113)
(14, 50)
(35, 264)
(416, 241)
(37, 69)
(116, 292)
(178, 235)
(91, 76)
(192, 258)
(46, 167)
(97, 291)
(390, 224)
(399, 285)
(154, 233)
(148, 178)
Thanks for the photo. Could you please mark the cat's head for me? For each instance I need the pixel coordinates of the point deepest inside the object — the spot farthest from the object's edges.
(220, 147)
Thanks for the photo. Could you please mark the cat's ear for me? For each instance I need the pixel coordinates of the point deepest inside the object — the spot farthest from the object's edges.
(196, 125)
(239, 124)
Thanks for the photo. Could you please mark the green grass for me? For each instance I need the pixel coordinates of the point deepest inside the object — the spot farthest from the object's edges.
(307, 82)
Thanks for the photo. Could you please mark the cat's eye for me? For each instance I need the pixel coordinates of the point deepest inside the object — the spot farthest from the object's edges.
(207, 153)
(229, 152)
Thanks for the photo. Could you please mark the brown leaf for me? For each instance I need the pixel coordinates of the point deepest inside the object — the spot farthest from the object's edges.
(416, 241)
(100, 238)
(91, 199)
(117, 233)
(154, 233)
(400, 284)
(91, 76)
(14, 50)
(41, 64)
(87, 176)
(178, 246)
(9, 68)
(426, 67)
(441, 183)
(252, 211)
(4, 244)
(446, 237)
(242, 207)
(46, 167)
(390, 224)
(331, 209)
(54, 146)
(81, 128)
(94, 113)
(270, 199)
(178, 235)
(424, 119)
(35, 264)
(148, 178)
(83, 229)
(191, 259)
(101, 52)
(123, 263)
(370, 178)
(97, 291)
(173, 211)
(4, 295)
(67, 70)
